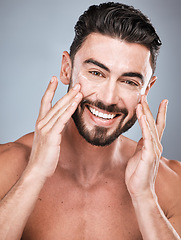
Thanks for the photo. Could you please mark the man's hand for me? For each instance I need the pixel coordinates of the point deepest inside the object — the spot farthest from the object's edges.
(142, 168)
(49, 126)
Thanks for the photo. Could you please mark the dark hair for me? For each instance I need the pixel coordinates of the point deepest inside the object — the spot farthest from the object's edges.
(119, 21)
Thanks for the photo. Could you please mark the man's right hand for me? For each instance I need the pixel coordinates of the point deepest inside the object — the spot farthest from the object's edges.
(49, 126)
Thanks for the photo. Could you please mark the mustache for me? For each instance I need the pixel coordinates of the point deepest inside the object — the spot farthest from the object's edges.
(113, 108)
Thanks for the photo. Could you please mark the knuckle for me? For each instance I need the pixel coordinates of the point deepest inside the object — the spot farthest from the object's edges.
(59, 104)
(43, 100)
(164, 125)
(152, 121)
(46, 97)
(43, 132)
(39, 125)
(150, 138)
(160, 147)
(158, 153)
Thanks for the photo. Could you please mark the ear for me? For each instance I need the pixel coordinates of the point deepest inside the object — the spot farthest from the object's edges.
(65, 73)
(150, 84)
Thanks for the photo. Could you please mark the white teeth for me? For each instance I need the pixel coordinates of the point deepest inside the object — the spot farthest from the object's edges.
(102, 115)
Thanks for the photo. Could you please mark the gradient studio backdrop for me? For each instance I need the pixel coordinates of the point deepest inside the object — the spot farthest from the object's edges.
(35, 33)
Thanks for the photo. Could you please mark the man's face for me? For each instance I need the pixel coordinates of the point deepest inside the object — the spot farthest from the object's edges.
(112, 74)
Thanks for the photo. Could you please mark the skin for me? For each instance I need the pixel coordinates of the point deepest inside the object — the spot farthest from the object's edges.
(80, 191)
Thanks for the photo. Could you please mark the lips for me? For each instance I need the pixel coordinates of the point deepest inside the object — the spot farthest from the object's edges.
(101, 114)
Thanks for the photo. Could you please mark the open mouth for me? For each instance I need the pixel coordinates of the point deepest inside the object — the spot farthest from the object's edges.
(100, 114)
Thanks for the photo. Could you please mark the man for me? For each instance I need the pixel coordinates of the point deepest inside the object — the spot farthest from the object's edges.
(79, 178)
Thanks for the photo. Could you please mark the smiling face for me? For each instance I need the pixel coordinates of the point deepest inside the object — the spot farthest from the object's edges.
(113, 74)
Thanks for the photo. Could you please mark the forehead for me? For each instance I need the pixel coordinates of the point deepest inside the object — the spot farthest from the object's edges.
(117, 55)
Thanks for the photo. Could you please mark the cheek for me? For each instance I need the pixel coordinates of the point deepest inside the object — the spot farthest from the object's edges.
(130, 97)
(130, 101)
(87, 86)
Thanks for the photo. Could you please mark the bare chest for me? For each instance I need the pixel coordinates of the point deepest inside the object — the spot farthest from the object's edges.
(68, 212)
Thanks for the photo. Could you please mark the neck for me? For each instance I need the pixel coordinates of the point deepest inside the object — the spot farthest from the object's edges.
(87, 162)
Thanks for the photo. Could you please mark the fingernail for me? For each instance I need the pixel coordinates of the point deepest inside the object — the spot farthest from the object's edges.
(52, 80)
(144, 98)
(76, 87)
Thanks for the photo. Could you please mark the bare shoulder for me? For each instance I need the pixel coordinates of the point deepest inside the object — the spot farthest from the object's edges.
(170, 169)
(173, 165)
(168, 186)
(168, 189)
(14, 157)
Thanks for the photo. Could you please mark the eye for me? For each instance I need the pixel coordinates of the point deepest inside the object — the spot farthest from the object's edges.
(96, 73)
(132, 83)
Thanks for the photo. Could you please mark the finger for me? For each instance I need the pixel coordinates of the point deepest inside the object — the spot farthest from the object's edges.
(139, 111)
(149, 118)
(148, 142)
(152, 153)
(149, 153)
(145, 126)
(65, 110)
(161, 118)
(46, 102)
(151, 123)
(139, 146)
(152, 149)
(61, 105)
(64, 118)
(146, 131)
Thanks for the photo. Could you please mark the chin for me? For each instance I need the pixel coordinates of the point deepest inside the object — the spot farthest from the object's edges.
(99, 136)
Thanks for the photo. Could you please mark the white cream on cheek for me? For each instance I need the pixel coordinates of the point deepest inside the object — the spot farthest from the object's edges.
(87, 85)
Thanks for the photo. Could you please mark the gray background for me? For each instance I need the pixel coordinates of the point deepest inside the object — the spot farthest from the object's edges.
(33, 35)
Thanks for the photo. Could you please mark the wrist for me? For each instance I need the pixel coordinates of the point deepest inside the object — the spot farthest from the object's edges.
(145, 199)
(32, 172)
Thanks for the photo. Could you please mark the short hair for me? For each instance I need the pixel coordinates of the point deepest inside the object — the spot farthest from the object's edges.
(118, 21)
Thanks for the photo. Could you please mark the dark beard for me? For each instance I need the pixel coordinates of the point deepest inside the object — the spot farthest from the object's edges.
(98, 136)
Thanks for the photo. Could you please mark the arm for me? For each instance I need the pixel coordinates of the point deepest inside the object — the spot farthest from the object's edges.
(152, 221)
(141, 174)
(17, 205)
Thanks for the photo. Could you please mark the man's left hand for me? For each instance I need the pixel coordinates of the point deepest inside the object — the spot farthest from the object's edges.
(142, 168)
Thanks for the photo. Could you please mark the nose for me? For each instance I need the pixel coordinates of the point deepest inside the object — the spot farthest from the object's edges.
(109, 93)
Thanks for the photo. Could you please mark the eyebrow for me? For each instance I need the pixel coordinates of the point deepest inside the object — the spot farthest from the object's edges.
(134, 74)
(127, 74)
(92, 61)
